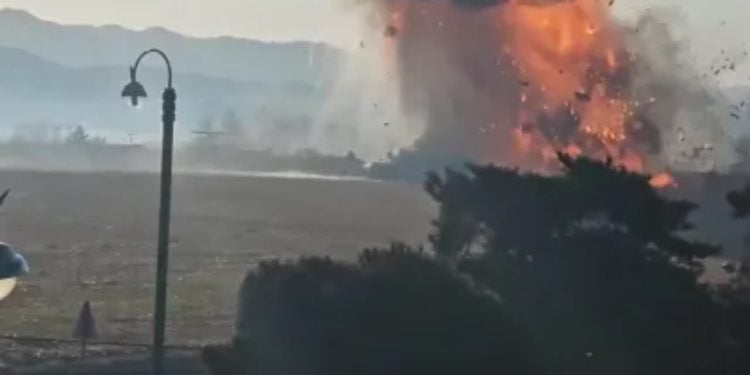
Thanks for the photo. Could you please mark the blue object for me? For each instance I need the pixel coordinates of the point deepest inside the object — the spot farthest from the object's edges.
(12, 263)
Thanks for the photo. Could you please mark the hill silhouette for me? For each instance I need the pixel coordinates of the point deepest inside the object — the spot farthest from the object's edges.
(54, 75)
(224, 57)
(37, 91)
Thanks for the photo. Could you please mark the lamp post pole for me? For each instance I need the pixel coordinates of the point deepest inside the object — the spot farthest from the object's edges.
(134, 90)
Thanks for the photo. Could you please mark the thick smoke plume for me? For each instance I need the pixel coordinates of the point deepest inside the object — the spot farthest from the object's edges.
(512, 82)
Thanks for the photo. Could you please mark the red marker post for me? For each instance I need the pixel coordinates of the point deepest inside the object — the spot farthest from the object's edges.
(85, 329)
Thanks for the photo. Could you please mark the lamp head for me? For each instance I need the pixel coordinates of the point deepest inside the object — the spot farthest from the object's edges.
(134, 90)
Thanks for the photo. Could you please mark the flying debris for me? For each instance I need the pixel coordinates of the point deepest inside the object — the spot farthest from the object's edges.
(4, 196)
(551, 74)
(390, 31)
(681, 134)
(737, 110)
(583, 96)
(740, 201)
(729, 267)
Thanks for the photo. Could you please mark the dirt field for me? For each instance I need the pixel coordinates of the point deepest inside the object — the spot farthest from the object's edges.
(92, 237)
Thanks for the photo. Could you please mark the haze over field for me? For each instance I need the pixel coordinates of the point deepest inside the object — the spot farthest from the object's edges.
(561, 184)
(292, 86)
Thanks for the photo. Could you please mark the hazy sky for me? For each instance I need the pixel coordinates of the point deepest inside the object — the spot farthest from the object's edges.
(266, 19)
(709, 25)
(307, 19)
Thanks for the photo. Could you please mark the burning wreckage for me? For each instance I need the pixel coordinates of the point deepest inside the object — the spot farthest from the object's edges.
(513, 82)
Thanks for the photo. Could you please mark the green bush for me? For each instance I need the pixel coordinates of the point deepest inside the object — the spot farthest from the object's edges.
(397, 311)
(585, 272)
(592, 262)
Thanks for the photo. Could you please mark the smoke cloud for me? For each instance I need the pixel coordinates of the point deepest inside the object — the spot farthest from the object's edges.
(459, 76)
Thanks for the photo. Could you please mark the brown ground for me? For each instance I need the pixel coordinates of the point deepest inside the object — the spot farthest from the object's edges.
(92, 237)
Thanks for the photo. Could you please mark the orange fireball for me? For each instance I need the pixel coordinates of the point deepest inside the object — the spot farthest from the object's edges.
(530, 78)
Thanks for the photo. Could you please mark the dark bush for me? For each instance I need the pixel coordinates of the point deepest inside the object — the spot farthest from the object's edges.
(585, 272)
(397, 311)
(591, 261)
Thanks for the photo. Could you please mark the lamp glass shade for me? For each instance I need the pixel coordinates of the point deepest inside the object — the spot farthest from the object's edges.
(134, 90)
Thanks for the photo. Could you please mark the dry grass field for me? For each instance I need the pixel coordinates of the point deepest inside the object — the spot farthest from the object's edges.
(92, 237)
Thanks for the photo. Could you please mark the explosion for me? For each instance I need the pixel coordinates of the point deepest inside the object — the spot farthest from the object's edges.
(573, 61)
(514, 82)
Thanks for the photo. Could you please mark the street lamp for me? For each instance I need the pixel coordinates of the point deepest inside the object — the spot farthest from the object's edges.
(134, 90)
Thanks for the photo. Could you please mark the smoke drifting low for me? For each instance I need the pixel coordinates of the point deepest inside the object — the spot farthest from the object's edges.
(511, 82)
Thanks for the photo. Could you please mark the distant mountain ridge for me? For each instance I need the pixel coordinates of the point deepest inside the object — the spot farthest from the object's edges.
(26, 76)
(34, 90)
(223, 57)
(65, 75)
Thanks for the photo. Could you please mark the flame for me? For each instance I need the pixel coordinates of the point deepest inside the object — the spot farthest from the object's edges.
(663, 180)
(571, 62)
(569, 53)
